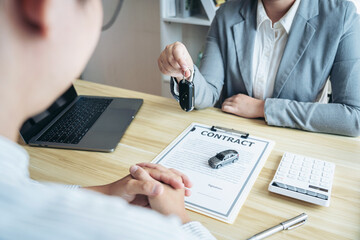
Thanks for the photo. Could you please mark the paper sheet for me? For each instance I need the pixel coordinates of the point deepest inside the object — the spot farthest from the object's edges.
(218, 193)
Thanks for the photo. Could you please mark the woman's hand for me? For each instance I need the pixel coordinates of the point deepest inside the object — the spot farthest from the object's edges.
(244, 106)
(176, 61)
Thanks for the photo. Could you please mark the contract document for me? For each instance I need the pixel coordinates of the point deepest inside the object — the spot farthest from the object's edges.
(218, 193)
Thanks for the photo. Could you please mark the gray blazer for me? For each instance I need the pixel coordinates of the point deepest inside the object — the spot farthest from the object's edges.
(324, 41)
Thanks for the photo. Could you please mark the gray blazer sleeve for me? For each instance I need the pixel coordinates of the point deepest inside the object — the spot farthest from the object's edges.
(342, 115)
(209, 79)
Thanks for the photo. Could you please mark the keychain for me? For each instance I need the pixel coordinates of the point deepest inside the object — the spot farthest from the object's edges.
(186, 94)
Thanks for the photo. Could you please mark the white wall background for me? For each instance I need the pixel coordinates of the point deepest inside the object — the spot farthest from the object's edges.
(127, 53)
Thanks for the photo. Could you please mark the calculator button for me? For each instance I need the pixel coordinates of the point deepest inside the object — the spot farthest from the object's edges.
(306, 170)
(280, 184)
(303, 179)
(325, 185)
(311, 193)
(318, 167)
(287, 160)
(315, 178)
(289, 156)
(279, 178)
(300, 190)
(296, 167)
(325, 174)
(325, 180)
(308, 160)
(322, 196)
(292, 188)
(292, 176)
(307, 164)
(316, 172)
(314, 182)
(285, 165)
(281, 174)
(304, 174)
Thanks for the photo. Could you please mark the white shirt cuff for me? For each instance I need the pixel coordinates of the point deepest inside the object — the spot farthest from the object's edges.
(197, 230)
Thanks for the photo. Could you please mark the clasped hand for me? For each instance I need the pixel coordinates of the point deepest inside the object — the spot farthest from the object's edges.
(153, 186)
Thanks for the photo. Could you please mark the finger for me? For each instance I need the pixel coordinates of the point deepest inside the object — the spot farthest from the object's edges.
(185, 179)
(187, 192)
(139, 173)
(228, 108)
(187, 73)
(174, 64)
(148, 188)
(226, 102)
(162, 68)
(176, 179)
(166, 177)
(167, 68)
(140, 200)
(154, 166)
(145, 184)
(146, 164)
(180, 55)
(230, 99)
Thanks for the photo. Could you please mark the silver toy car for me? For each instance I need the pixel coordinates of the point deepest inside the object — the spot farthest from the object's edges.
(224, 157)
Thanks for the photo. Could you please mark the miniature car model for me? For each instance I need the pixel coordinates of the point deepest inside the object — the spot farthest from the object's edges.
(224, 157)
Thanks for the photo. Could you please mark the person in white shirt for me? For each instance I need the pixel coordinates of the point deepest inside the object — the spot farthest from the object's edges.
(44, 45)
(274, 59)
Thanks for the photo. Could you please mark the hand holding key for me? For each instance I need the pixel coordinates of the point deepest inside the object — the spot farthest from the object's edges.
(176, 61)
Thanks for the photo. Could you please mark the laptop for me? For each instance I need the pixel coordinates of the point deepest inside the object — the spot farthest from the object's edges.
(81, 122)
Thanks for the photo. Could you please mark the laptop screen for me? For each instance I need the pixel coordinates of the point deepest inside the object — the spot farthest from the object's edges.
(35, 124)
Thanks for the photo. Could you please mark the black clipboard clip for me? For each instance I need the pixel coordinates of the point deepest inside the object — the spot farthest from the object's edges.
(222, 129)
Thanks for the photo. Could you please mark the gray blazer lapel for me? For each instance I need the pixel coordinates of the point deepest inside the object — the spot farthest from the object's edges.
(300, 35)
(244, 36)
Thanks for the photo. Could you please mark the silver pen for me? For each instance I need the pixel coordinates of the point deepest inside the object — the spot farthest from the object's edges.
(287, 225)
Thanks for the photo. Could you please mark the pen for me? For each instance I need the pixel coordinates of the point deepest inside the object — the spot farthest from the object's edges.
(287, 225)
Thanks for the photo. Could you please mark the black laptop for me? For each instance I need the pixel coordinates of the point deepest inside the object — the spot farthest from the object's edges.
(81, 122)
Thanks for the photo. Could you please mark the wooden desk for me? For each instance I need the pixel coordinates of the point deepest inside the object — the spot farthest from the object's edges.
(160, 120)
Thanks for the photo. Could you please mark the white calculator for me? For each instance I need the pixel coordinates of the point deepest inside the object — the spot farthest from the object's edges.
(304, 178)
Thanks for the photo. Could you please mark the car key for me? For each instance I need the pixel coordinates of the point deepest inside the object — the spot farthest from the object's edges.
(186, 94)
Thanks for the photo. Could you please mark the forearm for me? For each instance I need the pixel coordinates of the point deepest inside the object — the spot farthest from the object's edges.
(332, 118)
(207, 89)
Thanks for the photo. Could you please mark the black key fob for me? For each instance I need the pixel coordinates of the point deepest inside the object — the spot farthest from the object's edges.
(186, 95)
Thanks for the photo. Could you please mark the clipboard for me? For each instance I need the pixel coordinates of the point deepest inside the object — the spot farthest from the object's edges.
(218, 193)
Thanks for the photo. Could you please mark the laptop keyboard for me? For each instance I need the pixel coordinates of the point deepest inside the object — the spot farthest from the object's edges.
(76, 122)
